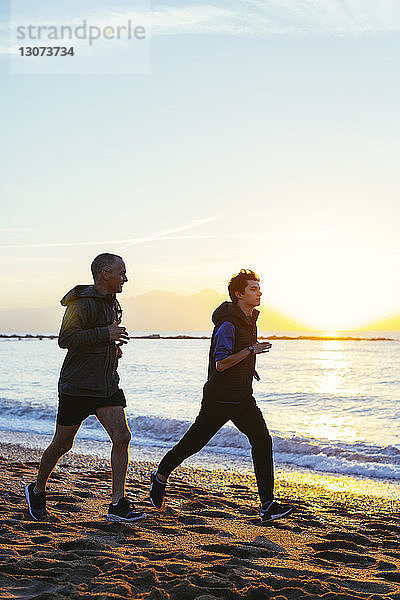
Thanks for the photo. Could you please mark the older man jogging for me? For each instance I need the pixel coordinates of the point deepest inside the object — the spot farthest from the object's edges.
(88, 382)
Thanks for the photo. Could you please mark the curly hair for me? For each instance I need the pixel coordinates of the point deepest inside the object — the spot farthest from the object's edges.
(239, 281)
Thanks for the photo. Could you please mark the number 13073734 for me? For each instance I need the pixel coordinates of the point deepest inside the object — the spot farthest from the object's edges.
(46, 51)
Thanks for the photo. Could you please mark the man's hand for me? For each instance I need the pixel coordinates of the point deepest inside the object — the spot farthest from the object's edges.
(234, 359)
(261, 347)
(118, 334)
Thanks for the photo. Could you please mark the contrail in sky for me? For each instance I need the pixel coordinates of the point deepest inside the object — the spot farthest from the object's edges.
(161, 234)
(125, 243)
(14, 229)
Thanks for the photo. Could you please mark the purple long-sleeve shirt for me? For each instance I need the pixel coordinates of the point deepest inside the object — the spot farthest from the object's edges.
(224, 341)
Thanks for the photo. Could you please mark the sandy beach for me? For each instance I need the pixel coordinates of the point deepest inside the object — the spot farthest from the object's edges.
(207, 544)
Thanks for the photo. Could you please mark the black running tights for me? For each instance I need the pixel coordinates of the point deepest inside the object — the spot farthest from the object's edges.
(249, 419)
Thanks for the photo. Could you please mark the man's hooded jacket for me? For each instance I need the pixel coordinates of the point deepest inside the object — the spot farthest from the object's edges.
(90, 367)
(234, 385)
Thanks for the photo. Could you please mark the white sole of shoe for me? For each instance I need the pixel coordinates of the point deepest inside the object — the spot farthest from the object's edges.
(151, 499)
(29, 502)
(155, 505)
(275, 517)
(115, 518)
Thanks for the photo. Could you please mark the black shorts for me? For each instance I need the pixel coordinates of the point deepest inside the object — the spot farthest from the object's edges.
(72, 410)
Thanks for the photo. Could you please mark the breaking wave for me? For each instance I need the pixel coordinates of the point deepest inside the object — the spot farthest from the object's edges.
(330, 456)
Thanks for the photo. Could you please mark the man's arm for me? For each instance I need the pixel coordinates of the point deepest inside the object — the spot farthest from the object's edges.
(224, 343)
(73, 333)
(234, 359)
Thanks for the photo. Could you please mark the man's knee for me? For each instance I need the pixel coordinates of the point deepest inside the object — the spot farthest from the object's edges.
(62, 446)
(121, 438)
(183, 449)
(261, 439)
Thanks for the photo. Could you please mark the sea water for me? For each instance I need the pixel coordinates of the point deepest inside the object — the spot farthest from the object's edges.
(331, 406)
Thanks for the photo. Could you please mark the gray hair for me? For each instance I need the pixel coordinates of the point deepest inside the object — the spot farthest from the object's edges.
(101, 262)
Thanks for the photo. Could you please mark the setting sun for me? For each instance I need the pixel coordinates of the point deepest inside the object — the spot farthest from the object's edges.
(325, 280)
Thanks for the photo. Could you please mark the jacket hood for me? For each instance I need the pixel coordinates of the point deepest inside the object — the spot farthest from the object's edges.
(81, 291)
(228, 310)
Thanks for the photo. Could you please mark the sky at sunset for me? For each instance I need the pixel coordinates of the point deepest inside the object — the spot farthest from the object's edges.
(264, 135)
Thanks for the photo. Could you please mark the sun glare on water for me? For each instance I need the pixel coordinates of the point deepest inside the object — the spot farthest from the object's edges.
(330, 368)
(333, 364)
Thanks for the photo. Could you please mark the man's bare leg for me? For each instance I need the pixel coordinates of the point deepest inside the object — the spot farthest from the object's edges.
(113, 419)
(62, 442)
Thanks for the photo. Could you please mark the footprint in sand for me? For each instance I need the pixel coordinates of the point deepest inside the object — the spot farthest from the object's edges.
(185, 590)
(126, 529)
(143, 544)
(66, 507)
(392, 554)
(385, 528)
(367, 587)
(219, 504)
(179, 568)
(219, 514)
(83, 544)
(389, 533)
(41, 526)
(52, 496)
(191, 520)
(207, 530)
(41, 539)
(385, 566)
(309, 522)
(165, 530)
(348, 536)
(394, 577)
(12, 497)
(84, 494)
(338, 545)
(159, 554)
(195, 505)
(344, 557)
(237, 486)
(97, 476)
(240, 509)
(239, 550)
(207, 580)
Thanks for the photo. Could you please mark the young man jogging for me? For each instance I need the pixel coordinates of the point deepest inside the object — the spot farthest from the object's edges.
(228, 395)
(88, 382)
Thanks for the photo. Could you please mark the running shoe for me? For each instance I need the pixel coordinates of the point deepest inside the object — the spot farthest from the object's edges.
(273, 510)
(157, 491)
(124, 511)
(36, 503)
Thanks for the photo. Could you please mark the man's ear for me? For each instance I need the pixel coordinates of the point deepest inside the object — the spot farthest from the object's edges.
(237, 294)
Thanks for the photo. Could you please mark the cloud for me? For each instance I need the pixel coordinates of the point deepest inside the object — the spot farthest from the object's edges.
(277, 17)
(386, 150)
(252, 17)
(266, 17)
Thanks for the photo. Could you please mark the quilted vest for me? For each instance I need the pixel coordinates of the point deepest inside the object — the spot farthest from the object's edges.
(235, 384)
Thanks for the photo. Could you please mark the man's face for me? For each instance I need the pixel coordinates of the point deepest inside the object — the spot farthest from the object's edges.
(116, 277)
(252, 293)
